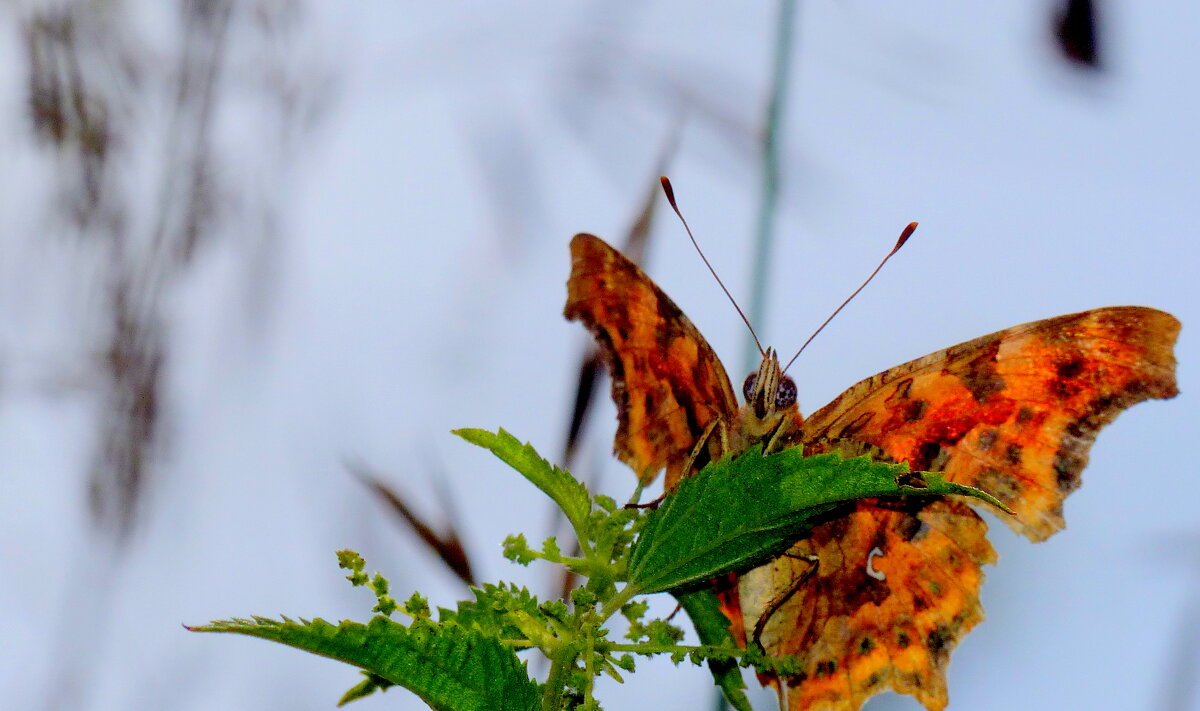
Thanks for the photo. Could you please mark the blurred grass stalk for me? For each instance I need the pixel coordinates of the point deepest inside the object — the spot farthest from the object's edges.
(764, 232)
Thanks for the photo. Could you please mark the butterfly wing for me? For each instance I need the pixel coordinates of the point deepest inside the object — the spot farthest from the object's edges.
(667, 382)
(873, 600)
(895, 584)
(1015, 412)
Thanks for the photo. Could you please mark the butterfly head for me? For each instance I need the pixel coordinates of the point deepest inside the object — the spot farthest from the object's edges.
(768, 391)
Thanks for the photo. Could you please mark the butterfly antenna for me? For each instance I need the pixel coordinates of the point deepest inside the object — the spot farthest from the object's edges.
(908, 231)
(666, 184)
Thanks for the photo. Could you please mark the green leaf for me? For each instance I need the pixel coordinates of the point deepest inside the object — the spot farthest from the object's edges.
(570, 495)
(451, 668)
(738, 513)
(349, 560)
(712, 627)
(488, 612)
(365, 688)
(517, 549)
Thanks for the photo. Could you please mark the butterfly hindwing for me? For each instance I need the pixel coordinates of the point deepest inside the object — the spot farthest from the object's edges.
(873, 600)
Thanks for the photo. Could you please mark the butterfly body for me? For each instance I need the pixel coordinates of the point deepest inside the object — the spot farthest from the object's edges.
(876, 598)
(770, 409)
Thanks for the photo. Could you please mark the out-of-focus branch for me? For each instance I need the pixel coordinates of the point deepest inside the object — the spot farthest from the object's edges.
(447, 546)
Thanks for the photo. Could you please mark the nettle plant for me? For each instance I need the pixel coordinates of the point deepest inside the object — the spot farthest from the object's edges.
(733, 515)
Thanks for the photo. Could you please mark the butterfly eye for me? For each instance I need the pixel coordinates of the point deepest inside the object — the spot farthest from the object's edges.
(748, 386)
(785, 396)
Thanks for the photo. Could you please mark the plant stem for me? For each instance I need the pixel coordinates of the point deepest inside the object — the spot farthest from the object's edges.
(667, 649)
(637, 492)
(614, 604)
(765, 227)
(556, 680)
(588, 659)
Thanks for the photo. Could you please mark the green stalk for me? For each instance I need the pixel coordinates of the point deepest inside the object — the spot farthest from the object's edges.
(556, 680)
(771, 171)
(614, 604)
(589, 652)
(644, 648)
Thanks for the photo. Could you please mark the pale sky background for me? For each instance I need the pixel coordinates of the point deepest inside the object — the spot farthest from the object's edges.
(391, 265)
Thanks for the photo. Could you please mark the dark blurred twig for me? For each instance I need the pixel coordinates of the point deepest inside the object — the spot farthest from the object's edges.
(124, 124)
(111, 116)
(447, 546)
(1076, 27)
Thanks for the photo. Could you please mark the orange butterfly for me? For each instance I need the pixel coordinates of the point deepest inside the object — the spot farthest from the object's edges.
(878, 598)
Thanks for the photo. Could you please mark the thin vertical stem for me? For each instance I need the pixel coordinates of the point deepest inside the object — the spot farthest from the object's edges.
(771, 169)
(561, 665)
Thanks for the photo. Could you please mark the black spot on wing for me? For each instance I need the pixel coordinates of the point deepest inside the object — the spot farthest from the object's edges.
(1068, 465)
(901, 391)
(980, 376)
(1003, 486)
(912, 528)
(1069, 368)
(854, 427)
(939, 641)
(928, 454)
(1078, 435)
(914, 410)
(650, 402)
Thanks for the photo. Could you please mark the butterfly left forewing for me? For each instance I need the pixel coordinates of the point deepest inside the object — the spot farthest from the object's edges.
(896, 584)
(667, 382)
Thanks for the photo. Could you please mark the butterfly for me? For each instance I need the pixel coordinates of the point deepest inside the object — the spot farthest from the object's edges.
(877, 598)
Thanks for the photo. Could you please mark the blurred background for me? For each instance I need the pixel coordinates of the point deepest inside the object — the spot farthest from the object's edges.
(255, 251)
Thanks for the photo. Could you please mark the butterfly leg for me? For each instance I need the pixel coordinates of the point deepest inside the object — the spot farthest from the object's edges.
(783, 597)
(718, 426)
(776, 439)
